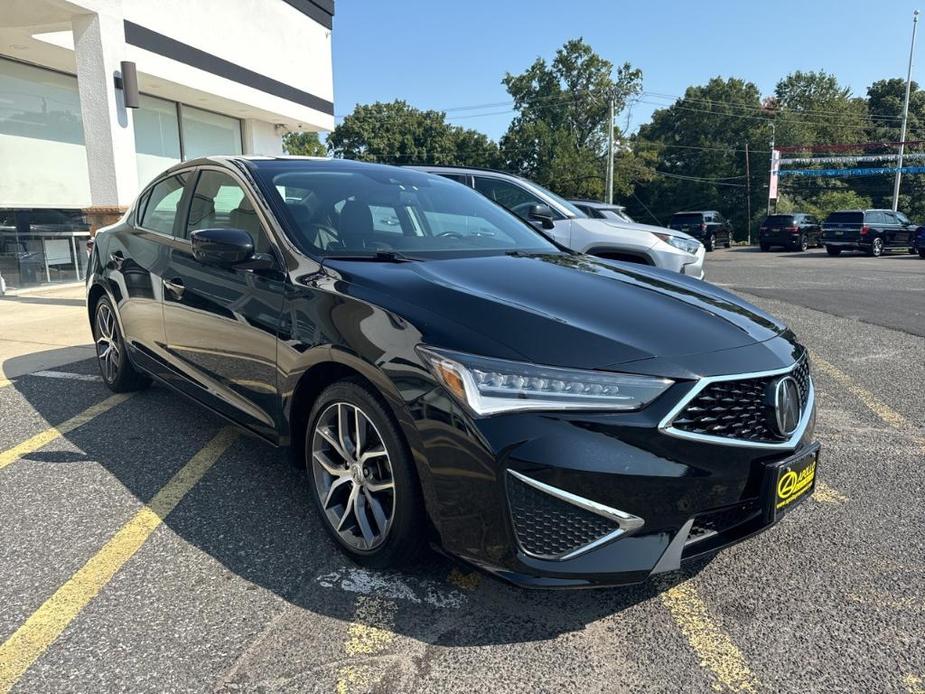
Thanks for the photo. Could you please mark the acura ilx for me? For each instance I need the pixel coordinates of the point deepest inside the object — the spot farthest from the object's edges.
(448, 375)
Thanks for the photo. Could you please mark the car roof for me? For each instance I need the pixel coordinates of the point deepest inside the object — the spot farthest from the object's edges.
(464, 169)
(698, 212)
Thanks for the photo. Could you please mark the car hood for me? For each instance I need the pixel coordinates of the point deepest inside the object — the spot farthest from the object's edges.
(639, 238)
(635, 226)
(557, 309)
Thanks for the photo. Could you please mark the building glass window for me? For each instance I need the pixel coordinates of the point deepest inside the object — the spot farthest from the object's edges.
(43, 159)
(205, 133)
(38, 246)
(157, 137)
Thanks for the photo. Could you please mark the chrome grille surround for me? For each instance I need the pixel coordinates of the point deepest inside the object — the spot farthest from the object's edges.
(799, 370)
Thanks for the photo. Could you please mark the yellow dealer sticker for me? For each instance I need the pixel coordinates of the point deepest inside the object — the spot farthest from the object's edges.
(795, 482)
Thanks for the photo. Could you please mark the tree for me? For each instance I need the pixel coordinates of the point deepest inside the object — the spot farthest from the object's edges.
(812, 108)
(398, 133)
(304, 143)
(698, 143)
(559, 135)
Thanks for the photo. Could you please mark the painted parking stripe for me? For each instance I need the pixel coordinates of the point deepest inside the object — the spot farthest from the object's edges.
(4, 382)
(914, 684)
(713, 646)
(68, 376)
(883, 411)
(47, 623)
(51, 433)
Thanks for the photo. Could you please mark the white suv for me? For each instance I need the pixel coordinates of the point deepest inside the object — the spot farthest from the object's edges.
(569, 226)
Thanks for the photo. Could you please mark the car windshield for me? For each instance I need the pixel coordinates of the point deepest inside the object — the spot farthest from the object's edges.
(366, 210)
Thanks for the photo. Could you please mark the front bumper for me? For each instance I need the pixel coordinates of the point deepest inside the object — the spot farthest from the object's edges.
(694, 497)
(670, 258)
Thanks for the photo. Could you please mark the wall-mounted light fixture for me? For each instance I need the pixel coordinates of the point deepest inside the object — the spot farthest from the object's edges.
(128, 83)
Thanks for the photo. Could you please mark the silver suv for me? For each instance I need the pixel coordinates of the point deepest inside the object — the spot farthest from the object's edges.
(569, 226)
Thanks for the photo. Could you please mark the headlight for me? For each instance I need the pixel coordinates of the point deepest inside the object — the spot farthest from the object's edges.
(687, 245)
(489, 386)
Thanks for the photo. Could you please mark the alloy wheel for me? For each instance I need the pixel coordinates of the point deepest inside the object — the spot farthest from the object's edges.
(107, 343)
(803, 244)
(877, 247)
(353, 476)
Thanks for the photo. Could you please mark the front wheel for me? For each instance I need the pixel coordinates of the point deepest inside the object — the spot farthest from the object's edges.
(363, 479)
(832, 250)
(117, 371)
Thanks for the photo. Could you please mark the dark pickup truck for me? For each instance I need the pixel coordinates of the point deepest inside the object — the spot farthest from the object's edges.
(873, 232)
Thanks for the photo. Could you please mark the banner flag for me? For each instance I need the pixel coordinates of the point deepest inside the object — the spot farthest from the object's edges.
(839, 173)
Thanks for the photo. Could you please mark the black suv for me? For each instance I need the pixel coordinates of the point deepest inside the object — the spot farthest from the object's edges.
(707, 226)
(797, 231)
(874, 232)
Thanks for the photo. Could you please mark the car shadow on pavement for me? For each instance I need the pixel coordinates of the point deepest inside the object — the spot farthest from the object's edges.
(252, 514)
(48, 301)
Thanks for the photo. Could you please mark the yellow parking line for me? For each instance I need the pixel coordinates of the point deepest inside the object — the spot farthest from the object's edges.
(871, 401)
(5, 382)
(914, 684)
(370, 633)
(41, 629)
(51, 433)
(712, 645)
(827, 494)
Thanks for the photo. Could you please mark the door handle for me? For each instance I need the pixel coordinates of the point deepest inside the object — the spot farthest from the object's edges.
(175, 286)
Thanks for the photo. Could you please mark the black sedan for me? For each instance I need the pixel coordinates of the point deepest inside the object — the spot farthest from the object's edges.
(448, 375)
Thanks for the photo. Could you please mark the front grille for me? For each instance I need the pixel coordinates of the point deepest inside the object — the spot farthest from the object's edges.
(737, 409)
(549, 527)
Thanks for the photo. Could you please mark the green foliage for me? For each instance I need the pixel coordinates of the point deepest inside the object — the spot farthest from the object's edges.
(711, 123)
(306, 144)
(825, 202)
(397, 133)
(559, 135)
(813, 107)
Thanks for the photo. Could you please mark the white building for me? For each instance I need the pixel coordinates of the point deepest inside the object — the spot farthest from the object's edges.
(215, 77)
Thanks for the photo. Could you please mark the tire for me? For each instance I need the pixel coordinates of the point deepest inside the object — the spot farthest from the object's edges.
(802, 245)
(728, 243)
(117, 370)
(922, 253)
(876, 248)
(832, 250)
(710, 244)
(378, 503)
(765, 247)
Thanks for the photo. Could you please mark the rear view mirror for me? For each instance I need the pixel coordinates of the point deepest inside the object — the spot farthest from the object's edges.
(541, 215)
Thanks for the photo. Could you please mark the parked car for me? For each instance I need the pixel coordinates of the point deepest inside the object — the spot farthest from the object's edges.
(795, 231)
(707, 226)
(601, 210)
(918, 242)
(873, 232)
(457, 378)
(566, 224)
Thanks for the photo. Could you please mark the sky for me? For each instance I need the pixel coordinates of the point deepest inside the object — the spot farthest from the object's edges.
(451, 56)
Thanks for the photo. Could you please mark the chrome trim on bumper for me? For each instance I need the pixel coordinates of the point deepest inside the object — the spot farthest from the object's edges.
(790, 444)
(627, 522)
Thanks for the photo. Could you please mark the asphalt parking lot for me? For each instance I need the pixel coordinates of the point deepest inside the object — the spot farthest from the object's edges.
(146, 547)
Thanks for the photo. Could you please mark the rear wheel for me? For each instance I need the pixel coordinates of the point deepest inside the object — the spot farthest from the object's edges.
(728, 243)
(876, 248)
(832, 250)
(710, 243)
(765, 247)
(922, 253)
(365, 488)
(115, 368)
(802, 244)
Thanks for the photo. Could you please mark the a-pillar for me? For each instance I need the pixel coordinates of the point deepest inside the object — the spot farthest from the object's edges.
(99, 44)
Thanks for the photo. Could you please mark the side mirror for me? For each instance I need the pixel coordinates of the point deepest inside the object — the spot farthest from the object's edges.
(541, 215)
(227, 248)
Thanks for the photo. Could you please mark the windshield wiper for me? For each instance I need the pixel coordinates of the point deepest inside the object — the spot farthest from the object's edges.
(377, 257)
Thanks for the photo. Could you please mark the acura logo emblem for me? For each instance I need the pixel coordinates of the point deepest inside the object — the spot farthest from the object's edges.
(786, 405)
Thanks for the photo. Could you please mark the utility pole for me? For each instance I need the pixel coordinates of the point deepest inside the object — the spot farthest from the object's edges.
(608, 193)
(748, 196)
(773, 133)
(902, 137)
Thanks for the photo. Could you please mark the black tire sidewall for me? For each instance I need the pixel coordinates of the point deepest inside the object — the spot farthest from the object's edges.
(405, 535)
(127, 378)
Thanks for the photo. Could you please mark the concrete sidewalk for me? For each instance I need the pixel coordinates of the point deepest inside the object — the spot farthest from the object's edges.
(42, 330)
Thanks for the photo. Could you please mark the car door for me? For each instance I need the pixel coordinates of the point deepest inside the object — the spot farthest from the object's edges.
(137, 253)
(222, 322)
(518, 199)
(904, 230)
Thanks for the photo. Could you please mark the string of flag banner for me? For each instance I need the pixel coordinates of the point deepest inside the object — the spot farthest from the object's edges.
(849, 159)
